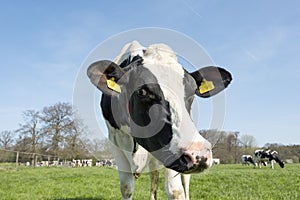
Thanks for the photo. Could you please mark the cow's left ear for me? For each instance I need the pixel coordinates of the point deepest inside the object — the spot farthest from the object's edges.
(105, 75)
(211, 80)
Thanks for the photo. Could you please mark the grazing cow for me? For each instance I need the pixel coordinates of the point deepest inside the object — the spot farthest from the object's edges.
(105, 162)
(76, 163)
(247, 160)
(263, 156)
(216, 161)
(146, 103)
(87, 162)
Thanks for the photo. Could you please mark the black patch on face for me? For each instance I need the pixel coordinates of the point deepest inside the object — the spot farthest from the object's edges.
(108, 101)
(149, 111)
(142, 100)
(157, 142)
(147, 104)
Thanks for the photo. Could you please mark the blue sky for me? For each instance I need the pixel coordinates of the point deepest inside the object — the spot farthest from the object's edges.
(43, 44)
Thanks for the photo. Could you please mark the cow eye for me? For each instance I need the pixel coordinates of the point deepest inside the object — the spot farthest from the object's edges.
(142, 92)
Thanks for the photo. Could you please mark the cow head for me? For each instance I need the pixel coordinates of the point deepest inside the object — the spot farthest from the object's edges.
(274, 156)
(151, 93)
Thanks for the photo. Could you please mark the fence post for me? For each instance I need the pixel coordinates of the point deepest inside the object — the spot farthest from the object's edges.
(17, 160)
(35, 160)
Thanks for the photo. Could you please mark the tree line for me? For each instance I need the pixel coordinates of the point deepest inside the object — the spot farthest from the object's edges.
(230, 146)
(54, 130)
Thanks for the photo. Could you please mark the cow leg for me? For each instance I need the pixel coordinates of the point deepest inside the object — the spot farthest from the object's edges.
(272, 164)
(126, 179)
(154, 176)
(186, 185)
(173, 185)
(125, 172)
(126, 185)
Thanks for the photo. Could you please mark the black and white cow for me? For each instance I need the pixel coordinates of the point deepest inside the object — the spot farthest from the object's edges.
(146, 102)
(262, 156)
(247, 160)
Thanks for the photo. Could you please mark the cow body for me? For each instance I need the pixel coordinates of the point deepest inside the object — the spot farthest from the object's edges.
(146, 103)
(247, 160)
(264, 156)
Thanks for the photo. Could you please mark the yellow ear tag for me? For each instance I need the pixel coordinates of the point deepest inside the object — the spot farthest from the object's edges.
(206, 86)
(111, 84)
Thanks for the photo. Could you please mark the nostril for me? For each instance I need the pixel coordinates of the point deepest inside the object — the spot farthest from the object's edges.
(187, 158)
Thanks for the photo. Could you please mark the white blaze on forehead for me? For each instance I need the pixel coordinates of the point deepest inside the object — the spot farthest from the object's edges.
(163, 55)
(162, 62)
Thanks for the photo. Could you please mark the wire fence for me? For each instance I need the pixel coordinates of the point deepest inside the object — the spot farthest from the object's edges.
(11, 158)
(14, 159)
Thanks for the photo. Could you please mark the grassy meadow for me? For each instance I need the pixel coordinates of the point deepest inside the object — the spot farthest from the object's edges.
(220, 182)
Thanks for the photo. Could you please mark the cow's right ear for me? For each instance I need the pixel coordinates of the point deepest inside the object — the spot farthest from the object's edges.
(105, 75)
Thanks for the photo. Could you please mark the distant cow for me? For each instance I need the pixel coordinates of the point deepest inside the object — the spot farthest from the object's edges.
(146, 102)
(216, 161)
(76, 163)
(247, 160)
(104, 162)
(87, 162)
(263, 156)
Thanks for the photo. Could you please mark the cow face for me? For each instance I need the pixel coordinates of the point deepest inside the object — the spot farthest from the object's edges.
(150, 92)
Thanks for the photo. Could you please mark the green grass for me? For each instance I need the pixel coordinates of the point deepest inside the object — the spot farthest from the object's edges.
(220, 182)
(243, 182)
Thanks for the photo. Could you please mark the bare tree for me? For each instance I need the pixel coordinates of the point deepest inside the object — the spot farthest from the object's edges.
(100, 148)
(236, 146)
(248, 141)
(230, 142)
(6, 143)
(75, 144)
(30, 130)
(213, 136)
(6, 139)
(58, 122)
